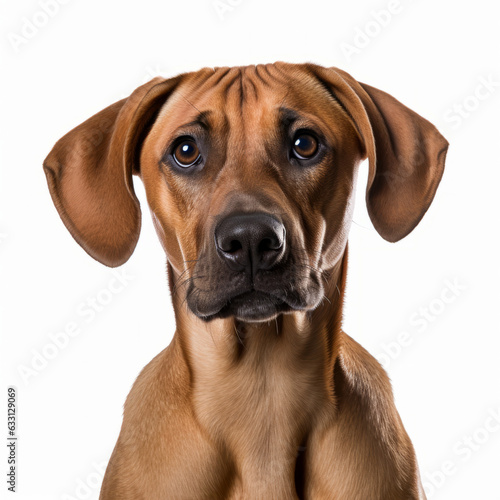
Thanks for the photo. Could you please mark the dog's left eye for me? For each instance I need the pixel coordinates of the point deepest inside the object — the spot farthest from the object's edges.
(186, 153)
(305, 146)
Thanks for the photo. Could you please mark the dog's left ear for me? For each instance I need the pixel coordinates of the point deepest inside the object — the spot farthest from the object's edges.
(406, 153)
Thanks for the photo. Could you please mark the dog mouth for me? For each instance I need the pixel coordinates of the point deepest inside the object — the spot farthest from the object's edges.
(215, 291)
(251, 306)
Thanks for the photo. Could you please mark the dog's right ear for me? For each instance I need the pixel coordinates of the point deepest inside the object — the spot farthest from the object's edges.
(89, 172)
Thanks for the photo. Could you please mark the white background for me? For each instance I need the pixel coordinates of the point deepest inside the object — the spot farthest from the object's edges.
(433, 56)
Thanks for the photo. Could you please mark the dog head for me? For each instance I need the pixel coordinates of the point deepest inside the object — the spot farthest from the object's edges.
(249, 174)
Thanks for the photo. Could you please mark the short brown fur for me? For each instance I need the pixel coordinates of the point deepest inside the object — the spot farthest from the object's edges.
(285, 408)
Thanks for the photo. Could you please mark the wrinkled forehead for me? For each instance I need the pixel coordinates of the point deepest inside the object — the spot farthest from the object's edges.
(251, 96)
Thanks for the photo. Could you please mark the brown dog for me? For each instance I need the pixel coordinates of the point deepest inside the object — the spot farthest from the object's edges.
(249, 174)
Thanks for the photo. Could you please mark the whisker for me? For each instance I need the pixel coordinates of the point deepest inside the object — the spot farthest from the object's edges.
(182, 274)
(238, 335)
(360, 225)
(185, 282)
(212, 335)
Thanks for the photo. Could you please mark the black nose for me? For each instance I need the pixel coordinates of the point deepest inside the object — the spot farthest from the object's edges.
(250, 242)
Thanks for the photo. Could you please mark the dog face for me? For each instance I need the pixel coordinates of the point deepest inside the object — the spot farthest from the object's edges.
(249, 174)
(251, 165)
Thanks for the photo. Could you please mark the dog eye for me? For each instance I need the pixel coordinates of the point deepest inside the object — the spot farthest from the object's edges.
(186, 153)
(305, 146)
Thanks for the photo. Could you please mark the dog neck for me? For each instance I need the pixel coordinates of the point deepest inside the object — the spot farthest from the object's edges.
(230, 344)
(258, 382)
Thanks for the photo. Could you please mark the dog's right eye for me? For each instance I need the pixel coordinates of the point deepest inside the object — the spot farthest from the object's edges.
(305, 146)
(186, 153)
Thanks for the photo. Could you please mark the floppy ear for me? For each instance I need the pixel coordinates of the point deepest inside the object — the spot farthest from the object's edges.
(406, 153)
(89, 172)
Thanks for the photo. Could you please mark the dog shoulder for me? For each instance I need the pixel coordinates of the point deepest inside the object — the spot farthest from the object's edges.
(362, 374)
(365, 400)
(363, 386)
(161, 449)
(161, 388)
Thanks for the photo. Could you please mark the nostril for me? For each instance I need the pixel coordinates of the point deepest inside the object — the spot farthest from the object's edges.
(233, 246)
(264, 245)
(269, 244)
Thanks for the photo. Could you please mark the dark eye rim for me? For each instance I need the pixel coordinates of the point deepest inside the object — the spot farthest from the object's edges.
(312, 134)
(177, 143)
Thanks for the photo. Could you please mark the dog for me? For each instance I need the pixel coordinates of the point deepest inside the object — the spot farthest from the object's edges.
(249, 173)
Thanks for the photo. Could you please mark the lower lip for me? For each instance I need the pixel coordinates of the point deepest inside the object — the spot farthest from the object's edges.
(253, 306)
